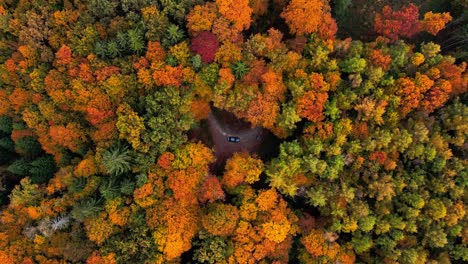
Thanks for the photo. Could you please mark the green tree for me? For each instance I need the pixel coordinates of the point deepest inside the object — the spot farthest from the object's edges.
(117, 160)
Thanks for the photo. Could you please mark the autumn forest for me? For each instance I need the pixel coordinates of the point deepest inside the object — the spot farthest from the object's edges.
(233, 131)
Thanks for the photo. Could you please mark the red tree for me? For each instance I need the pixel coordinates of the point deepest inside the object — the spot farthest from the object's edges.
(395, 24)
(206, 45)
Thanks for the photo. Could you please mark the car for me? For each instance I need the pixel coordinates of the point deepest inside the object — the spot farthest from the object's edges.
(233, 139)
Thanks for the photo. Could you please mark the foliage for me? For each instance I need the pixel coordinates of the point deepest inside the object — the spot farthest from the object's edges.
(106, 110)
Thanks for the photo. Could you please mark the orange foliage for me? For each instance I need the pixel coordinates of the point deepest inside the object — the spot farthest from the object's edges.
(86, 167)
(311, 104)
(201, 17)
(273, 85)
(308, 16)
(165, 160)
(225, 32)
(435, 22)
(105, 131)
(237, 11)
(379, 59)
(410, 94)
(185, 184)
(106, 72)
(455, 75)
(69, 136)
(267, 200)
(170, 76)
(263, 111)
(211, 190)
(18, 134)
(259, 7)
(85, 73)
(142, 195)
(155, 52)
(226, 77)
(96, 258)
(241, 168)
(378, 156)
(4, 102)
(437, 96)
(314, 243)
(200, 109)
(63, 57)
(256, 71)
(120, 217)
(175, 227)
(19, 98)
(99, 229)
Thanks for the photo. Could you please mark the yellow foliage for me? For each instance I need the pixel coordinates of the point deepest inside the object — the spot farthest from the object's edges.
(130, 127)
(99, 229)
(266, 200)
(276, 231)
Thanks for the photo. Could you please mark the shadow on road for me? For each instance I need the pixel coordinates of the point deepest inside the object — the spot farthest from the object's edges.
(222, 124)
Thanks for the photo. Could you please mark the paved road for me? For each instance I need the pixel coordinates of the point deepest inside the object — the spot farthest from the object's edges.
(250, 139)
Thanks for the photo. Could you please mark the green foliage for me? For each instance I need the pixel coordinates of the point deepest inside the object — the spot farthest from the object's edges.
(20, 167)
(174, 34)
(42, 169)
(136, 41)
(135, 245)
(7, 144)
(109, 189)
(26, 194)
(117, 160)
(210, 249)
(88, 208)
(167, 119)
(6, 125)
(28, 146)
(239, 69)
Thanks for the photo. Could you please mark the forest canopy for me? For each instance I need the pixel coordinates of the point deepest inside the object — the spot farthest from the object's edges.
(105, 154)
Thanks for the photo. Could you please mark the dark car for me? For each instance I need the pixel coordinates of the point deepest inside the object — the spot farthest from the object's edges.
(233, 139)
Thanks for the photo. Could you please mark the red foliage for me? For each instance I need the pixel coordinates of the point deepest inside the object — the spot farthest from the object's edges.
(378, 156)
(18, 134)
(395, 24)
(211, 190)
(106, 72)
(206, 45)
(99, 109)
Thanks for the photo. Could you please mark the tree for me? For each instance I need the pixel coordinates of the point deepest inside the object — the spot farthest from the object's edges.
(310, 106)
(435, 22)
(117, 160)
(25, 194)
(220, 219)
(167, 119)
(241, 168)
(201, 18)
(206, 45)
(304, 17)
(395, 24)
(238, 12)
